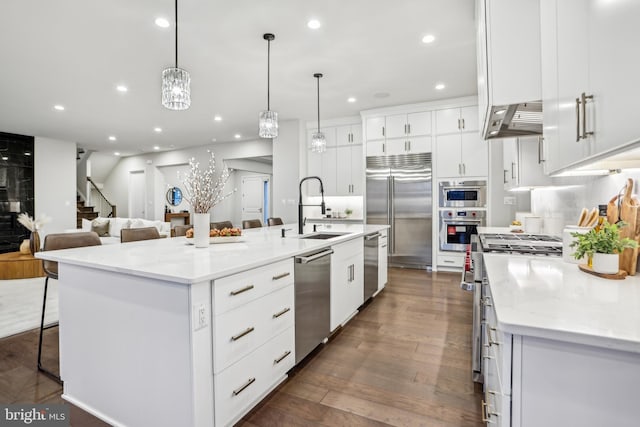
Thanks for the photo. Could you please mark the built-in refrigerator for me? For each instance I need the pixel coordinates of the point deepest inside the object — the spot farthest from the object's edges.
(399, 194)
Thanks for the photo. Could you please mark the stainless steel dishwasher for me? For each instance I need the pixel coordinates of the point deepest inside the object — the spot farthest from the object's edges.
(370, 265)
(312, 290)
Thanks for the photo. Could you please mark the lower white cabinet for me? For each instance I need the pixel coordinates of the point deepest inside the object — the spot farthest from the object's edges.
(347, 280)
(453, 260)
(383, 259)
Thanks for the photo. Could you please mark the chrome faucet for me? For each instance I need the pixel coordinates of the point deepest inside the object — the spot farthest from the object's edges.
(301, 206)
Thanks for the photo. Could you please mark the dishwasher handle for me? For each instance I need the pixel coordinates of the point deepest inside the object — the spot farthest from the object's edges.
(372, 236)
(306, 259)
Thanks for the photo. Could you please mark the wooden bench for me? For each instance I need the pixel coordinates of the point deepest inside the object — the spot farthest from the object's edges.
(16, 265)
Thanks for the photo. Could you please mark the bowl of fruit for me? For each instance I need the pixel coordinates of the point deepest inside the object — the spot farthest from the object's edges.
(516, 227)
(226, 235)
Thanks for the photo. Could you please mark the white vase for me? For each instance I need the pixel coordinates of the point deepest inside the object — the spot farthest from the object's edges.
(605, 263)
(201, 230)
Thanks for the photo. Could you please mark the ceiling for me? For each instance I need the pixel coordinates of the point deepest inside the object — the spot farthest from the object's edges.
(75, 52)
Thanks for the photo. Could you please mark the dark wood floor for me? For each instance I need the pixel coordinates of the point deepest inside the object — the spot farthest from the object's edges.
(404, 360)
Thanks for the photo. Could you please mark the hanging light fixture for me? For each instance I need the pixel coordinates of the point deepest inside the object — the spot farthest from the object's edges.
(318, 141)
(176, 91)
(268, 124)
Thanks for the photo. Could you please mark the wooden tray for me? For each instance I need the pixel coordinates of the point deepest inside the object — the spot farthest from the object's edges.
(620, 275)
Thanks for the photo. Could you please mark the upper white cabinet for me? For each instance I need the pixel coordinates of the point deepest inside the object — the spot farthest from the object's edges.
(393, 134)
(413, 124)
(421, 144)
(588, 78)
(349, 170)
(375, 128)
(524, 163)
(349, 134)
(455, 120)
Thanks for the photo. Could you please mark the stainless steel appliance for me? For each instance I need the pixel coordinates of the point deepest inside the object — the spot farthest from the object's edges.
(457, 227)
(399, 194)
(462, 194)
(370, 265)
(529, 244)
(312, 298)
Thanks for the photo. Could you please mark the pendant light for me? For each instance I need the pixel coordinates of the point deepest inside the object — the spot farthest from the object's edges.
(176, 91)
(318, 141)
(268, 124)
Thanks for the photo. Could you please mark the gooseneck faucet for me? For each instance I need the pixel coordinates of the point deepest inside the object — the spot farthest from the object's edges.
(301, 206)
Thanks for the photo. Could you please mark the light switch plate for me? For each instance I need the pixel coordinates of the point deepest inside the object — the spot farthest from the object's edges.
(509, 200)
(200, 316)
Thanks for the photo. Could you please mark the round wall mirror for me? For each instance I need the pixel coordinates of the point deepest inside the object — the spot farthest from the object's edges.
(174, 196)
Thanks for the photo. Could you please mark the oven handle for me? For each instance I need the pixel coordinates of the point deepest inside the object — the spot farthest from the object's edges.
(477, 187)
(462, 222)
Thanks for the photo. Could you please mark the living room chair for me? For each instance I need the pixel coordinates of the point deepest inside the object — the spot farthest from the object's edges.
(181, 230)
(137, 234)
(222, 224)
(251, 223)
(274, 221)
(54, 242)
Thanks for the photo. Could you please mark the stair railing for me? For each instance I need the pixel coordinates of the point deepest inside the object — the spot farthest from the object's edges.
(103, 201)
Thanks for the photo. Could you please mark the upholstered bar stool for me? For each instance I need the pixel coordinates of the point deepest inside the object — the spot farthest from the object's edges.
(274, 221)
(54, 242)
(136, 234)
(181, 230)
(251, 223)
(220, 225)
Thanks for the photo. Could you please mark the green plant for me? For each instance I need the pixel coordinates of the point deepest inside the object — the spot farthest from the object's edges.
(348, 211)
(604, 239)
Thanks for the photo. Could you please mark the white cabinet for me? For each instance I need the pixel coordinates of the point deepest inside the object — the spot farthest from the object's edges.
(420, 144)
(348, 134)
(349, 170)
(376, 148)
(523, 163)
(412, 124)
(375, 127)
(588, 78)
(394, 134)
(455, 120)
(461, 155)
(324, 166)
(382, 259)
(347, 280)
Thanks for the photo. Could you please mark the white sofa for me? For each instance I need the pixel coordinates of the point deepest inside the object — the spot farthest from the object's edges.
(117, 224)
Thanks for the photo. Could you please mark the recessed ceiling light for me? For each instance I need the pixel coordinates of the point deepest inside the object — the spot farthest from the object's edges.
(351, 99)
(237, 136)
(116, 153)
(162, 22)
(440, 86)
(112, 138)
(214, 139)
(58, 107)
(157, 130)
(217, 118)
(5, 158)
(381, 95)
(429, 38)
(314, 24)
(155, 147)
(27, 153)
(122, 88)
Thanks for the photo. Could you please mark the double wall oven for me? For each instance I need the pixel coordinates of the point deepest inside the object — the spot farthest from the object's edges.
(461, 211)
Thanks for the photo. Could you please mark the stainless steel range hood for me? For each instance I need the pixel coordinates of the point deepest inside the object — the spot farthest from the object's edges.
(516, 120)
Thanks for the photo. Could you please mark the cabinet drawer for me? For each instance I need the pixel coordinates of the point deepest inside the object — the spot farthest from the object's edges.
(236, 290)
(451, 260)
(239, 332)
(241, 385)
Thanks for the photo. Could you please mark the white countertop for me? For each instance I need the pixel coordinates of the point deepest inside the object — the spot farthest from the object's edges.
(549, 298)
(175, 260)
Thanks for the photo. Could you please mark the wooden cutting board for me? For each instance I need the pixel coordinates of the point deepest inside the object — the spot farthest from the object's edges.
(629, 214)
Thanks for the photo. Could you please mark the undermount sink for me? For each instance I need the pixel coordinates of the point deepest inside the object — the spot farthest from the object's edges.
(323, 236)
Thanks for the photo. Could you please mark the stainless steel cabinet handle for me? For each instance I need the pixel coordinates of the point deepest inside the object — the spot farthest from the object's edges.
(245, 385)
(280, 313)
(372, 236)
(462, 123)
(242, 334)
(459, 169)
(281, 358)
(448, 261)
(280, 276)
(540, 160)
(459, 124)
(383, 131)
(577, 119)
(306, 259)
(409, 142)
(383, 246)
(584, 97)
(464, 169)
(505, 176)
(239, 291)
(513, 170)
(383, 150)
(409, 127)
(405, 129)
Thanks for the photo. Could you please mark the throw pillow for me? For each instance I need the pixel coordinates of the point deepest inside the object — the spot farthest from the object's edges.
(137, 223)
(117, 224)
(100, 226)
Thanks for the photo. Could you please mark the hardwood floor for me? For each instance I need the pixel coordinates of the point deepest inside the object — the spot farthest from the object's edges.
(404, 360)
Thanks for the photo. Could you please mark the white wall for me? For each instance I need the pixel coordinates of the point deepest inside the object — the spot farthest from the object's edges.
(54, 165)
(286, 170)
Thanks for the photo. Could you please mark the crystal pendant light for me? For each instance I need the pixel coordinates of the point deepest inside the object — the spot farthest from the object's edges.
(176, 90)
(268, 124)
(318, 141)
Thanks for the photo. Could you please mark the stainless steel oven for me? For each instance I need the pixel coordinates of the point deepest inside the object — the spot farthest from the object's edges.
(457, 226)
(463, 194)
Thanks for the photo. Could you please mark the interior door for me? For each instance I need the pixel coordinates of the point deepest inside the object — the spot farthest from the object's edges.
(253, 197)
(137, 194)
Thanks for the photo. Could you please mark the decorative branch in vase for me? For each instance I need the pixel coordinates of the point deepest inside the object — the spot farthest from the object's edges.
(33, 225)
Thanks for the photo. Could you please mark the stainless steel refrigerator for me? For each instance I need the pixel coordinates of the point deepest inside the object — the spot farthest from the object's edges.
(399, 194)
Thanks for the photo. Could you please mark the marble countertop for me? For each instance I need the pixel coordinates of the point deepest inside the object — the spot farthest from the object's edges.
(175, 260)
(549, 298)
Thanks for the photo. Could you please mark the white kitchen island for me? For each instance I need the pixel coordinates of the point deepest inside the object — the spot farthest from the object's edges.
(154, 332)
(562, 347)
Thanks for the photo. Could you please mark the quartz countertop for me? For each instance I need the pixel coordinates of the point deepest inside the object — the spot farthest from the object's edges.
(549, 298)
(175, 260)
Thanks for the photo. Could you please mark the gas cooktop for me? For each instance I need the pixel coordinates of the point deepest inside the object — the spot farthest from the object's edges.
(529, 244)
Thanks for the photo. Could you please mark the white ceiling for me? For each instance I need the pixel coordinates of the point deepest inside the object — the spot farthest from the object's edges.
(75, 52)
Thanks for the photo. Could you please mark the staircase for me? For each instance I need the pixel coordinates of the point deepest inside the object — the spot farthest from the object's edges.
(83, 211)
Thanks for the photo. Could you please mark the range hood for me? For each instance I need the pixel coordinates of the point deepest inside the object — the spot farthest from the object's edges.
(507, 121)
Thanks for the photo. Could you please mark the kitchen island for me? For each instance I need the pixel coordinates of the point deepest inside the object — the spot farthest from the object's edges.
(155, 332)
(562, 347)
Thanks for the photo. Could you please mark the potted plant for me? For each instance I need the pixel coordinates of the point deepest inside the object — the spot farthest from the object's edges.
(348, 212)
(603, 246)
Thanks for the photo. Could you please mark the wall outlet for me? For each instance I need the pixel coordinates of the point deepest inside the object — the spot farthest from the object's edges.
(199, 317)
(509, 200)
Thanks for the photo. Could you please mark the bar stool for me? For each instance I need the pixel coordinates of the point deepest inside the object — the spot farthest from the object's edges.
(220, 225)
(274, 221)
(181, 230)
(137, 234)
(53, 242)
(251, 223)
